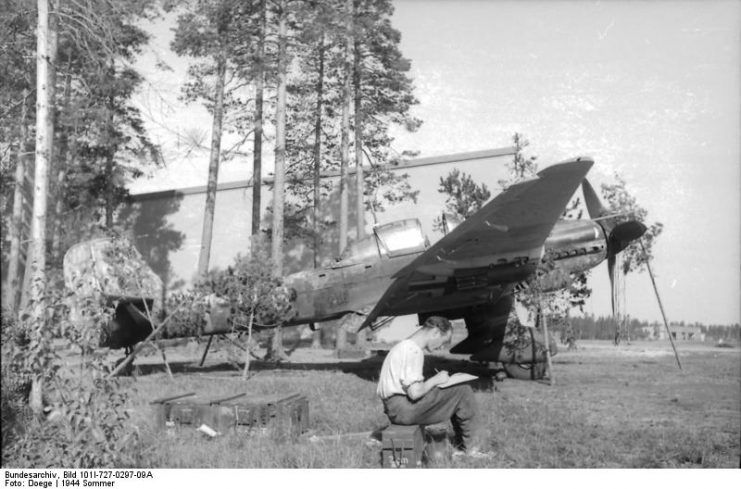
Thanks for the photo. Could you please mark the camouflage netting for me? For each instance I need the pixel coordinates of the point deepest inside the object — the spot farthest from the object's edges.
(103, 271)
(111, 267)
(518, 345)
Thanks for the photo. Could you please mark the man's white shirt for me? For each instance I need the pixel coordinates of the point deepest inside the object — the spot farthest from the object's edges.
(401, 368)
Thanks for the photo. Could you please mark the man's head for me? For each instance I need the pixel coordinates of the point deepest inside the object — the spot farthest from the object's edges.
(439, 331)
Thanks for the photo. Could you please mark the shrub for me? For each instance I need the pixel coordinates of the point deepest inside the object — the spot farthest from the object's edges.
(85, 422)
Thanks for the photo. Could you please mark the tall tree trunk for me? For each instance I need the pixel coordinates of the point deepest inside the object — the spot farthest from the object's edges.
(12, 290)
(257, 148)
(341, 340)
(52, 87)
(110, 152)
(277, 352)
(316, 340)
(65, 157)
(213, 167)
(359, 183)
(63, 160)
(318, 150)
(37, 252)
(280, 146)
(345, 139)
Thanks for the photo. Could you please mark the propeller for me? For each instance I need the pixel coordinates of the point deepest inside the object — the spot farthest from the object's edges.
(619, 236)
(619, 231)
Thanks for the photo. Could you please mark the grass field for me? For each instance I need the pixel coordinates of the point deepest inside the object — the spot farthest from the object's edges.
(621, 407)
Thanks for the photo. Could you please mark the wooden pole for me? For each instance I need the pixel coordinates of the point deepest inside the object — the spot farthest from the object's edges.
(661, 307)
(164, 359)
(249, 338)
(205, 352)
(551, 378)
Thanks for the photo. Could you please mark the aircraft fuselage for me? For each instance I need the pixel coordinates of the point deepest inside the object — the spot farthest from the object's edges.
(329, 293)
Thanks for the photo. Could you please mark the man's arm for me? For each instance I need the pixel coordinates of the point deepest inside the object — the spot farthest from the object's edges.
(419, 389)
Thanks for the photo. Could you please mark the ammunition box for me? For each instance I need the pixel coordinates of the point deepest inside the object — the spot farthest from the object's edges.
(283, 414)
(402, 446)
(184, 413)
(288, 414)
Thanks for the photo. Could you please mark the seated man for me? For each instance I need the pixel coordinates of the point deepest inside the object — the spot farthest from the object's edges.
(409, 399)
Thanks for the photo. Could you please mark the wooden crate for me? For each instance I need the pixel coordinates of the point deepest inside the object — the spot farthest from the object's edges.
(287, 414)
(402, 446)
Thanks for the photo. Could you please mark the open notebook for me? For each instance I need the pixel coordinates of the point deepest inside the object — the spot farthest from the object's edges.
(456, 379)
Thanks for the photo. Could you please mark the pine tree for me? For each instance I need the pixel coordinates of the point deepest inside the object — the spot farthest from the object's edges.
(210, 30)
(380, 96)
(259, 63)
(276, 350)
(383, 97)
(465, 198)
(619, 200)
(101, 137)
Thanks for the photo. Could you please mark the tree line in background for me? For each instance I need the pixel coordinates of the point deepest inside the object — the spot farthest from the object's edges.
(590, 327)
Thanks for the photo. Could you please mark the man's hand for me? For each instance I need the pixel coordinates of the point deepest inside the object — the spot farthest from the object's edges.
(441, 377)
(419, 389)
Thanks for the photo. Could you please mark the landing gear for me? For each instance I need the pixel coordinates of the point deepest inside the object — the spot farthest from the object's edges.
(526, 371)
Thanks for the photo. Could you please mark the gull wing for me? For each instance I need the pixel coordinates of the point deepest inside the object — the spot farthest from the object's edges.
(511, 227)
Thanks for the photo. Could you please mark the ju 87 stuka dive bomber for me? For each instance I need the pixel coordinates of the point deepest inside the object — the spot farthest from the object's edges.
(471, 273)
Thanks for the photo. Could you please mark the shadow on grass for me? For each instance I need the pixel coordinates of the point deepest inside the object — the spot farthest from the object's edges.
(365, 368)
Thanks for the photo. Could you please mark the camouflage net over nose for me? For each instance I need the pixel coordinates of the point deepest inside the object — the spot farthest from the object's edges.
(522, 344)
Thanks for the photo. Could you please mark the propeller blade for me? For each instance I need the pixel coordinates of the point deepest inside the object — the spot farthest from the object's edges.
(623, 234)
(594, 205)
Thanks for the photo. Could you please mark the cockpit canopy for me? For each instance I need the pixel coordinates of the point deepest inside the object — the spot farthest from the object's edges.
(392, 239)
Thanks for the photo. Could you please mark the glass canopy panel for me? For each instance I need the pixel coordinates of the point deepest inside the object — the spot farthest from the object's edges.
(402, 237)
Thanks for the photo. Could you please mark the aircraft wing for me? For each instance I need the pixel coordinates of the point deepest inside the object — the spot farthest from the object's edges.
(512, 227)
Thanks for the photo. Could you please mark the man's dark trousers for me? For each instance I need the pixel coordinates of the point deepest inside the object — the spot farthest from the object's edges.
(455, 403)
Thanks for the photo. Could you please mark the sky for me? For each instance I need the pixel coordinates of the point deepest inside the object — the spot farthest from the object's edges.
(650, 90)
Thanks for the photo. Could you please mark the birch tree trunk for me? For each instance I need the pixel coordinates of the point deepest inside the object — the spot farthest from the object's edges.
(213, 167)
(36, 271)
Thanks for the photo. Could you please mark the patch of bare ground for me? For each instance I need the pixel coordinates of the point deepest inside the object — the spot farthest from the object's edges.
(627, 406)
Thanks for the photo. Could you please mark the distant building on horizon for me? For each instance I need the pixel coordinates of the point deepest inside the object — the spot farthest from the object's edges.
(679, 333)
